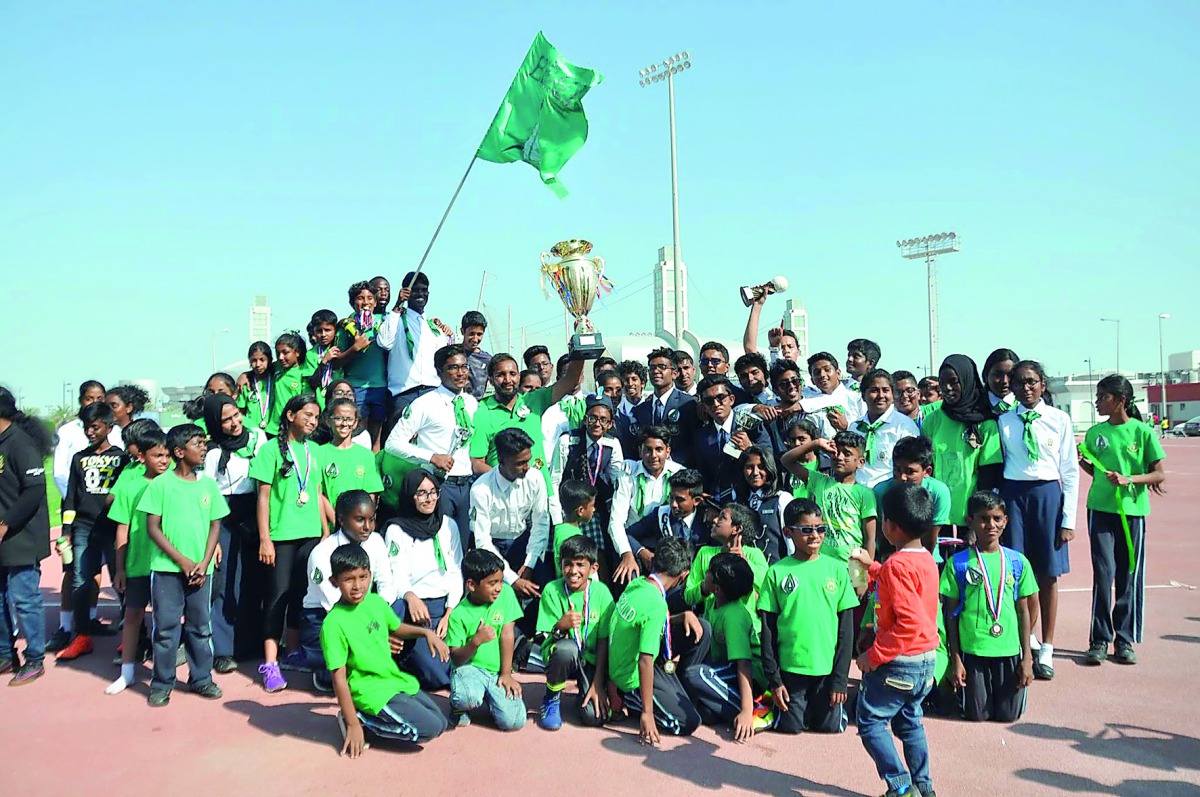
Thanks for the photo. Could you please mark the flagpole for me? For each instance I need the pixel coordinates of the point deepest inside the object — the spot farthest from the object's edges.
(445, 215)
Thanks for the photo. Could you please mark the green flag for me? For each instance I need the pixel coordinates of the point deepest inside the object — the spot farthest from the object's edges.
(541, 119)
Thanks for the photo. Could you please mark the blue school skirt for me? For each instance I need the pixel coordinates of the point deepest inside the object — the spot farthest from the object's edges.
(1034, 513)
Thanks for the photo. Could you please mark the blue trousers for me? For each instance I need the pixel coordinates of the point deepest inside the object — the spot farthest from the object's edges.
(430, 672)
(471, 687)
(21, 598)
(172, 598)
(893, 694)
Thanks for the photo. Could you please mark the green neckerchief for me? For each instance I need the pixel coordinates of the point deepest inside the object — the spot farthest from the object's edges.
(870, 429)
(642, 479)
(1031, 446)
(573, 407)
(462, 418)
(408, 338)
(1098, 468)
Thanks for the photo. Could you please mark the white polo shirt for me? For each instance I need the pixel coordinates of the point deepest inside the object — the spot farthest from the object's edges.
(503, 510)
(1057, 458)
(896, 426)
(323, 593)
(431, 420)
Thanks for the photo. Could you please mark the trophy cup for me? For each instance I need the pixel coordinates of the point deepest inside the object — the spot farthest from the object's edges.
(578, 280)
(752, 293)
(744, 420)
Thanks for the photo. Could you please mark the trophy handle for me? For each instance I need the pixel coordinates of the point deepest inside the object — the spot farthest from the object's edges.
(545, 260)
(599, 261)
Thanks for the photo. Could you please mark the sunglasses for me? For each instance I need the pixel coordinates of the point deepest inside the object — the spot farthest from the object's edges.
(793, 382)
(809, 531)
(711, 361)
(712, 401)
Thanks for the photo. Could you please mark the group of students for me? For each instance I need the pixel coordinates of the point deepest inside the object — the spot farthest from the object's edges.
(398, 513)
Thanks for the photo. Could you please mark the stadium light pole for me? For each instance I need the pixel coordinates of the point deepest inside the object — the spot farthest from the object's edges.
(1116, 321)
(1092, 404)
(656, 73)
(1162, 371)
(927, 248)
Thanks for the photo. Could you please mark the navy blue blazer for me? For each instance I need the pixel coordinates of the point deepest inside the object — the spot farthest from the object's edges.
(719, 470)
(681, 414)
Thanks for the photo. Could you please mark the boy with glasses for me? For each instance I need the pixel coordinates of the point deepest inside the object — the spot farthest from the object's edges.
(719, 467)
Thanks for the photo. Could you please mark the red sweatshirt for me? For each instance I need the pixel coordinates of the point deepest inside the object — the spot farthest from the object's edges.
(906, 622)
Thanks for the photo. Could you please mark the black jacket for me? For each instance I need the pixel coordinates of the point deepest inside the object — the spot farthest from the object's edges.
(680, 415)
(22, 501)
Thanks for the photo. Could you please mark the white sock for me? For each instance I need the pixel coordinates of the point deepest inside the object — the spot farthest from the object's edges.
(1034, 645)
(117, 687)
(1045, 653)
(93, 613)
(66, 620)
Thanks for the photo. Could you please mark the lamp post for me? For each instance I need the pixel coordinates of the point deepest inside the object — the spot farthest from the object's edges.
(656, 73)
(1162, 371)
(928, 248)
(1116, 321)
(1091, 389)
(214, 346)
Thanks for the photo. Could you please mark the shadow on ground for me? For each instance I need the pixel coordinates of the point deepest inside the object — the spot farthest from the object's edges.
(1130, 744)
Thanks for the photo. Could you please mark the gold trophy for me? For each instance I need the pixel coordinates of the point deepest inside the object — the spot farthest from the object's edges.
(752, 293)
(578, 280)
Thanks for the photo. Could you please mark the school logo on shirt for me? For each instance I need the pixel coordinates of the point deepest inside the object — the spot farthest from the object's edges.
(626, 611)
(205, 500)
(1, 463)
(537, 463)
(474, 513)
(387, 484)
(331, 470)
(407, 411)
(673, 416)
(317, 578)
(974, 577)
(373, 627)
(522, 412)
(360, 471)
(789, 585)
(1132, 448)
(393, 549)
(497, 617)
(1101, 442)
(831, 585)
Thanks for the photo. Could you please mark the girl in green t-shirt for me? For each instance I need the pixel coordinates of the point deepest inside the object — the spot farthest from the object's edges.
(289, 377)
(290, 523)
(1118, 502)
(255, 390)
(322, 329)
(347, 465)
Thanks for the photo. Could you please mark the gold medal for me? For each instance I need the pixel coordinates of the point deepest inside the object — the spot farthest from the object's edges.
(669, 667)
(302, 499)
(262, 424)
(996, 629)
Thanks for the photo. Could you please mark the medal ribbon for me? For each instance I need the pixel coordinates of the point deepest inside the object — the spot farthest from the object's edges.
(303, 483)
(1099, 466)
(667, 625)
(325, 369)
(993, 601)
(594, 473)
(263, 388)
(581, 633)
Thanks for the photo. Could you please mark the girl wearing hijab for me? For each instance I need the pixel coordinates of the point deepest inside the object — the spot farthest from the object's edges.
(425, 553)
(966, 441)
(239, 578)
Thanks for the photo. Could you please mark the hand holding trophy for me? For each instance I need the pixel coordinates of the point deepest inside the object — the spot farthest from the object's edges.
(752, 293)
(578, 280)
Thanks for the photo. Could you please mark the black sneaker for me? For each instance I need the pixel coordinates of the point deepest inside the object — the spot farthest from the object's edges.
(225, 664)
(9, 664)
(98, 628)
(1042, 672)
(159, 698)
(1097, 654)
(208, 691)
(58, 640)
(1124, 654)
(30, 671)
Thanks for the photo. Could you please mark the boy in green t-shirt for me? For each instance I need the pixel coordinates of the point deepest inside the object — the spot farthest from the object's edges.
(481, 637)
(183, 521)
(912, 463)
(723, 687)
(578, 500)
(807, 607)
(574, 614)
(642, 629)
(728, 530)
(358, 637)
(989, 593)
(132, 579)
(848, 507)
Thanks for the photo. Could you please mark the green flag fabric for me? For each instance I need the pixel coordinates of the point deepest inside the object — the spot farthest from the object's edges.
(541, 119)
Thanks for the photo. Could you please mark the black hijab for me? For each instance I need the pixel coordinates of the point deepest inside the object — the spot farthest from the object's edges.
(214, 406)
(412, 522)
(972, 407)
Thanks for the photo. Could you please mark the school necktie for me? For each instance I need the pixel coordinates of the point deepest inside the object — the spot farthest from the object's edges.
(461, 417)
(1001, 407)
(1031, 446)
(573, 408)
(755, 500)
(659, 411)
(868, 430)
(677, 529)
(722, 438)
(438, 555)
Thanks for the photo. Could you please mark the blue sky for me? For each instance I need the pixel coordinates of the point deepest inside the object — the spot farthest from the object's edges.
(163, 163)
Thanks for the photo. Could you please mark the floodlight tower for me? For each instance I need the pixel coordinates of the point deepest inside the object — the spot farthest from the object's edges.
(928, 248)
(656, 73)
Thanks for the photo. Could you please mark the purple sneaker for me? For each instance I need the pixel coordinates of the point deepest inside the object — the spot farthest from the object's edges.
(273, 680)
(28, 673)
(295, 661)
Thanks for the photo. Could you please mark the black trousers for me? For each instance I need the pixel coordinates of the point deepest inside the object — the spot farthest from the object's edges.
(566, 662)
(808, 705)
(1121, 620)
(992, 692)
(674, 712)
(289, 582)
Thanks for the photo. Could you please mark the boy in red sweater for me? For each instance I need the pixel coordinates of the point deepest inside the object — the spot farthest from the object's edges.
(898, 668)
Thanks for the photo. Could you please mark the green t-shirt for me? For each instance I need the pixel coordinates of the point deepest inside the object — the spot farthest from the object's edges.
(126, 493)
(346, 469)
(392, 470)
(735, 638)
(562, 533)
(466, 617)
(800, 489)
(846, 507)
(924, 410)
(556, 601)
(975, 622)
(955, 461)
(290, 520)
(187, 509)
(695, 579)
(368, 368)
(526, 414)
(638, 622)
(130, 473)
(286, 385)
(257, 412)
(1130, 449)
(356, 637)
(807, 596)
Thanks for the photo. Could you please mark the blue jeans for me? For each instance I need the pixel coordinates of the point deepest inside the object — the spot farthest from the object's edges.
(311, 620)
(893, 693)
(20, 597)
(95, 546)
(471, 687)
(372, 402)
(172, 598)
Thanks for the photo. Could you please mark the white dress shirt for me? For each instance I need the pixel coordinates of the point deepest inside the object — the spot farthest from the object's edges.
(1057, 459)
(813, 400)
(236, 478)
(414, 564)
(896, 427)
(70, 441)
(558, 461)
(624, 511)
(323, 593)
(503, 510)
(555, 421)
(431, 419)
(406, 371)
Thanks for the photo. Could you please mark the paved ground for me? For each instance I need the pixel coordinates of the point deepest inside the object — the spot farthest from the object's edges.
(1106, 731)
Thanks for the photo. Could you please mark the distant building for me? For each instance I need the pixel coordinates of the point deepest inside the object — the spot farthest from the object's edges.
(1183, 400)
(260, 320)
(795, 318)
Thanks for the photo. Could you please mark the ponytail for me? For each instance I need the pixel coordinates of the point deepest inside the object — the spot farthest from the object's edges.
(31, 425)
(294, 405)
(1117, 385)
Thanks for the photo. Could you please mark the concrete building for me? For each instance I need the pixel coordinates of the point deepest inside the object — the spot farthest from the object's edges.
(795, 318)
(1075, 394)
(1183, 400)
(260, 320)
